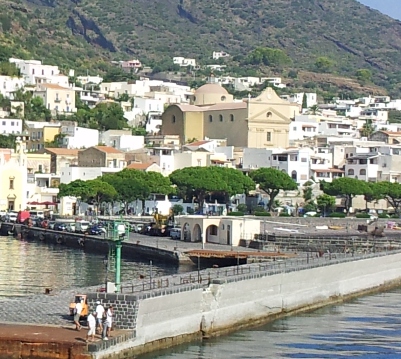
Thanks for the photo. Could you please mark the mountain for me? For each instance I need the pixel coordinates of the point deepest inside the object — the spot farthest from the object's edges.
(83, 33)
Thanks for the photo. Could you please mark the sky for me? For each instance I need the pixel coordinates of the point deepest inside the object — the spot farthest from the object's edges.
(388, 7)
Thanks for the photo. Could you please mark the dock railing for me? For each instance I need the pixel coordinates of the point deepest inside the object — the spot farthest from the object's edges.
(205, 277)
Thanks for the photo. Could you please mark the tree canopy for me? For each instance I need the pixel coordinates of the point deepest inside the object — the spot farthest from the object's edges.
(272, 181)
(268, 57)
(346, 188)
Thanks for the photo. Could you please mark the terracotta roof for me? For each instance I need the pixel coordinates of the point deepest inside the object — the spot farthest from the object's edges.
(54, 86)
(389, 133)
(197, 143)
(309, 126)
(332, 170)
(107, 149)
(139, 166)
(62, 151)
(227, 106)
(190, 108)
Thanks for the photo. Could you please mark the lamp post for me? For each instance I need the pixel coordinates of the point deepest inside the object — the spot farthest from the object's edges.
(106, 266)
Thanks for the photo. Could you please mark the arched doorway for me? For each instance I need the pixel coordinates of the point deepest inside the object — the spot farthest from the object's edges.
(212, 234)
(197, 233)
(294, 175)
(186, 232)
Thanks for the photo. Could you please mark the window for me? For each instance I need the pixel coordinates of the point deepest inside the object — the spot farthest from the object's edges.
(268, 136)
(33, 71)
(68, 95)
(362, 172)
(43, 72)
(199, 163)
(173, 119)
(351, 172)
(221, 118)
(223, 98)
(12, 123)
(232, 118)
(269, 114)
(3, 123)
(11, 183)
(303, 160)
(294, 128)
(210, 118)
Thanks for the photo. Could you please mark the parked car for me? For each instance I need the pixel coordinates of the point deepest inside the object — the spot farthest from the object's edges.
(60, 227)
(81, 226)
(11, 217)
(96, 231)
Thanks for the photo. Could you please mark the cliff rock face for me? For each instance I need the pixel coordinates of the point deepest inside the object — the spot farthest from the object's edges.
(348, 33)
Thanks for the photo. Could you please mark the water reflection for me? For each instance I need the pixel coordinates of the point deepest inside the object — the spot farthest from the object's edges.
(30, 267)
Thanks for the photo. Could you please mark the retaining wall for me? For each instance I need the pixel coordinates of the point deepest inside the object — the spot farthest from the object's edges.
(166, 318)
(97, 244)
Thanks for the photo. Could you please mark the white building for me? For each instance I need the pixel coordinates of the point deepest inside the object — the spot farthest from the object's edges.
(311, 98)
(10, 84)
(296, 163)
(79, 137)
(154, 122)
(146, 105)
(184, 62)
(219, 54)
(69, 174)
(84, 80)
(33, 69)
(9, 126)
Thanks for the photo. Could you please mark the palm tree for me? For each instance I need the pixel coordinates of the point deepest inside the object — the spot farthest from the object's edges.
(313, 109)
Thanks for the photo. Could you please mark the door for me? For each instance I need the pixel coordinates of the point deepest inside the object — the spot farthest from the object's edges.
(229, 234)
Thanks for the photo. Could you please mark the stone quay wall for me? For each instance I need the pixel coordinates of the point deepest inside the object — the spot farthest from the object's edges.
(163, 318)
(97, 244)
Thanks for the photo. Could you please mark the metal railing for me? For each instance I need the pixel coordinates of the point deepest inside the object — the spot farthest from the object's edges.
(203, 278)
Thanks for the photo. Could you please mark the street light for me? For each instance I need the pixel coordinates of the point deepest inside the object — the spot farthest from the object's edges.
(106, 267)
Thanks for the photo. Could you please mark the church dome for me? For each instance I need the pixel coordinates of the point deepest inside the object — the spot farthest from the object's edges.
(214, 89)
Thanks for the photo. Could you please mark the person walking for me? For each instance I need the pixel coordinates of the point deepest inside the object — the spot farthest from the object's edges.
(77, 315)
(108, 323)
(99, 316)
(91, 326)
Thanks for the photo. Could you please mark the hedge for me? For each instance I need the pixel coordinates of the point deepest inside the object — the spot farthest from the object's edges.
(337, 215)
(239, 214)
(362, 215)
(284, 214)
(262, 214)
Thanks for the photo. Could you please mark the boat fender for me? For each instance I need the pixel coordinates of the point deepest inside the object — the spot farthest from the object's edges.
(81, 242)
(59, 239)
(10, 233)
(42, 236)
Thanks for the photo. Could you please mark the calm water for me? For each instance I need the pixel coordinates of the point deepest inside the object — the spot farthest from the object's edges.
(30, 267)
(369, 327)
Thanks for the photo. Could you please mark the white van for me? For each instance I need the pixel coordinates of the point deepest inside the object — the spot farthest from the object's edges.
(175, 233)
(37, 214)
(81, 226)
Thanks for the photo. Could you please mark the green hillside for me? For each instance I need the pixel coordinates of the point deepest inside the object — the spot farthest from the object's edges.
(83, 33)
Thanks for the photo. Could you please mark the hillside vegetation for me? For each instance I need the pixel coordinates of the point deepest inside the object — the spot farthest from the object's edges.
(86, 33)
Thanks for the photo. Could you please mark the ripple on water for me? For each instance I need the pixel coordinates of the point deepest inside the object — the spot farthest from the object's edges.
(29, 267)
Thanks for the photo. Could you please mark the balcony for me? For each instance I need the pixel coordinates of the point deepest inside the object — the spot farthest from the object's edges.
(57, 100)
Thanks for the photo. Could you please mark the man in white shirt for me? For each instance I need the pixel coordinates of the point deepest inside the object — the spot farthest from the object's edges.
(108, 323)
(77, 315)
(99, 316)
(92, 326)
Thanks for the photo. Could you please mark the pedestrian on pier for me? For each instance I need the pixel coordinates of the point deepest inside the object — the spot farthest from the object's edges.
(108, 323)
(91, 326)
(100, 316)
(77, 315)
